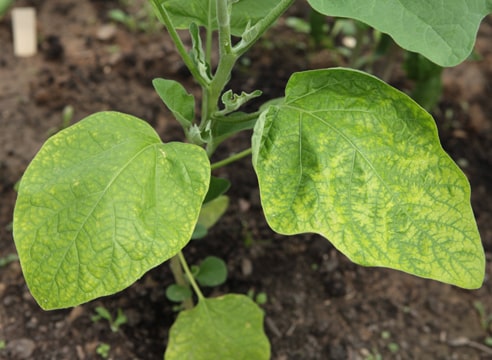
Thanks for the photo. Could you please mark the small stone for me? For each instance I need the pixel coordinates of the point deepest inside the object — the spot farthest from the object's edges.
(106, 32)
(246, 267)
(244, 205)
(9, 300)
(21, 348)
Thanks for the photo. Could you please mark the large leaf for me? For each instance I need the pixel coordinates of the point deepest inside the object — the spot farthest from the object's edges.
(244, 12)
(443, 31)
(101, 203)
(227, 327)
(352, 159)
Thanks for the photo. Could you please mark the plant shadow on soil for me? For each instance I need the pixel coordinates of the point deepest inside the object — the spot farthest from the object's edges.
(320, 305)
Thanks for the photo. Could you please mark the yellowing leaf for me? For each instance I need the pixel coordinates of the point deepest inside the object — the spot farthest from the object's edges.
(352, 159)
(103, 202)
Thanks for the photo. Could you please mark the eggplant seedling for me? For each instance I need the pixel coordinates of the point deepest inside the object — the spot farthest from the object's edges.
(342, 154)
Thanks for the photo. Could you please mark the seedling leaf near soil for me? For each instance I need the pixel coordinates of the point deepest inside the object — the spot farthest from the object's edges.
(227, 327)
(343, 155)
(443, 31)
(365, 172)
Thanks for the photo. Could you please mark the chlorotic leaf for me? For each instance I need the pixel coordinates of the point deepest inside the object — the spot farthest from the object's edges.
(443, 31)
(355, 160)
(227, 327)
(103, 202)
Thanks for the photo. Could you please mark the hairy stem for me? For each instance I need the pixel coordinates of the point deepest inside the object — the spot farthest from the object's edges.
(161, 10)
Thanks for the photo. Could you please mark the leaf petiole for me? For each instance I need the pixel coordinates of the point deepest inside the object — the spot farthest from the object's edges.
(190, 276)
(231, 159)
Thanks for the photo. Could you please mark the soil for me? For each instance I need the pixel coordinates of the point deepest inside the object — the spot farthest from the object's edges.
(320, 305)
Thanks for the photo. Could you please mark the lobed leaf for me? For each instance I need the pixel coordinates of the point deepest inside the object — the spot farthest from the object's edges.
(353, 159)
(443, 31)
(227, 327)
(103, 202)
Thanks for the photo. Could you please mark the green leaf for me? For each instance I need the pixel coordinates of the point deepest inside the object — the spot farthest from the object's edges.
(232, 101)
(217, 187)
(355, 160)
(178, 293)
(212, 272)
(443, 31)
(4, 6)
(427, 77)
(226, 126)
(102, 313)
(177, 99)
(197, 53)
(103, 202)
(200, 232)
(244, 12)
(212, 211)
(227, 327)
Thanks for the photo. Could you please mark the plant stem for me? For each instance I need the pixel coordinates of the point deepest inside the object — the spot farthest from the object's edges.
(191, 279)
(263, 25)
(226, 62)
(209, 33)
(231, 159)
(208, 59)
(224, 22)
(180, 279)
(179, 44)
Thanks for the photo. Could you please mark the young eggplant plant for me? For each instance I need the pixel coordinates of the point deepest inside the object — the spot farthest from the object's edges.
(343, 155)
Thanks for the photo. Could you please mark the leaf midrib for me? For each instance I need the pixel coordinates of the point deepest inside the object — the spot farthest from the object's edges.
(73, 241)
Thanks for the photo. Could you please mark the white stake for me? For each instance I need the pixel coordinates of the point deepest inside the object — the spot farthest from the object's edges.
(24, 30)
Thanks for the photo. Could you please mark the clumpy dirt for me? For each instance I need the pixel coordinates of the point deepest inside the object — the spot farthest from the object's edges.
(320, 305)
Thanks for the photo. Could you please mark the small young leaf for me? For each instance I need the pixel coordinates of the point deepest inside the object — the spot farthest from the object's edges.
(227, 327)
(217, 187)
(200, 232)
(443, 31)
(197, 53)
(212, 272)
(121, 319)
(427, 77)
(232, 101)
(355, 160)
(101, 313)
(178, 293)
(177, 99)
(212, 211)
(103, 202)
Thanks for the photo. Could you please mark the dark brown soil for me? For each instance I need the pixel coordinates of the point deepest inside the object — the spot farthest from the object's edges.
(320, 306)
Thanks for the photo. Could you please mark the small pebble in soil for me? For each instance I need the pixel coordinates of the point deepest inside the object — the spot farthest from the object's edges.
(246, 267)
(21, 348)
(106, 32)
